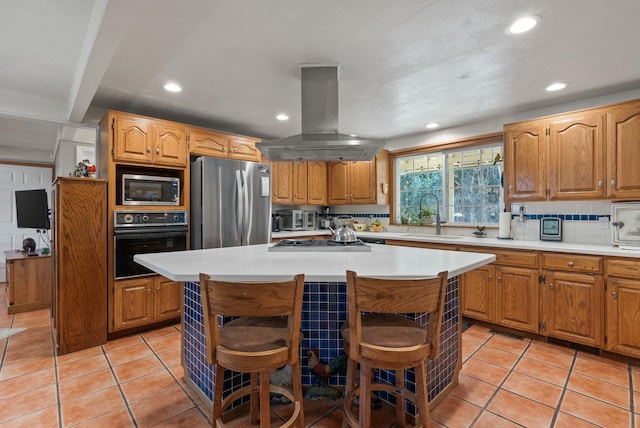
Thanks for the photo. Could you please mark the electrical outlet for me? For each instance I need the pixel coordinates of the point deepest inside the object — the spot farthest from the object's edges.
(515, 209)
(604, 223)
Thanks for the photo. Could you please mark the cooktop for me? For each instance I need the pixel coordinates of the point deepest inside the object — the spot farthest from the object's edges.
(318, 245)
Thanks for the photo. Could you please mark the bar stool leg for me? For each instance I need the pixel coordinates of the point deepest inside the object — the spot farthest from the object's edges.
(400, 398)
(365, 395)
(348, 390)
(265, 400)
(421, 395)
(253, 399)
(297, 391)
(217, 395)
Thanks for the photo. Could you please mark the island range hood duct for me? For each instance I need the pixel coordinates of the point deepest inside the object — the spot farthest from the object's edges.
(320, 140)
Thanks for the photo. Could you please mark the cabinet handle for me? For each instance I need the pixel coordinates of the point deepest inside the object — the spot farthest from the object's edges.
(510, 187)
(158, 289)
(158, 150)
(570, 264)
(148, 149)
(233, 149)
(599, 183)
(613, 182)
(490, 277)
(551, 286)
(148, 290)
(614, 295)
(499, 278)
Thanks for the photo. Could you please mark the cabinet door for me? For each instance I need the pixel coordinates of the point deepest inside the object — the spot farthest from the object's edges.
(207, 143)
(525, 152)
(338, 176)
(168, 299)
(623, 153)
(299, 183)
(282, 183)
(317, 183)
(132, 140)
(574, 307)
(517, 298)
(623, 316)
(133, 302)
(478, 294)
(170, 145)
(242, 148)
(362, 182)
(576, 156)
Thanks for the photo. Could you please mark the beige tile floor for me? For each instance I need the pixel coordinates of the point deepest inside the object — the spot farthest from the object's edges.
(136, 381)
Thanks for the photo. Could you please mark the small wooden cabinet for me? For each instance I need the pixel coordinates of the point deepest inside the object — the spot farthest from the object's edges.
(573, 290)
(138, 139)
(299, 183)
(146, 300)
(517, 298)
(623, 155)
(352, 183)
(79, 249)
(282, 183)
(478, 290)
(525, 161)
(218, 144)
(28, 285)
(622, 297)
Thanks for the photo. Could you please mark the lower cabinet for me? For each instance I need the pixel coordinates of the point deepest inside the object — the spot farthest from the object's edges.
(147, 300)
(478, 294)
(517, 299)
(622, 297)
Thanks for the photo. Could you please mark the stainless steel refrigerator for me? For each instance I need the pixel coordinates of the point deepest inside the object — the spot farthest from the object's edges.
(230, 203)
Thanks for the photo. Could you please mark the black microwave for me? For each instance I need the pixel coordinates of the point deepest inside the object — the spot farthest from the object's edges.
(150, 190)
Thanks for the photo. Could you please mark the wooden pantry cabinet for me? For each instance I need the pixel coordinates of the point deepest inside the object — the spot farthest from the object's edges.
(207, 142)
(622, 297)
(146, 300)
(573, 298)
(79, 250)
(143, 140)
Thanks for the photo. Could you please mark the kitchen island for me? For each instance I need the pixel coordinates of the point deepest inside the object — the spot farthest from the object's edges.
(325, 299)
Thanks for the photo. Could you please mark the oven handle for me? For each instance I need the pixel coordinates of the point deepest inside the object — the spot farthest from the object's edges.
(147, 234)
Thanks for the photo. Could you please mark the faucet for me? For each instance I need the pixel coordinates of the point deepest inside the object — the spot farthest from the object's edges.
(439, 221)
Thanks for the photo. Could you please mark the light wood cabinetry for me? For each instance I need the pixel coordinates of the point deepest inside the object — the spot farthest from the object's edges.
(622, 297)
(142, 301)
(300, 183)
(478, 291)
(79, 249)
(560, 158)
(352, 183)
(207, 142)
(138, 139)
(517, 298)
(28, 285)
(623, 153)
(573, 290)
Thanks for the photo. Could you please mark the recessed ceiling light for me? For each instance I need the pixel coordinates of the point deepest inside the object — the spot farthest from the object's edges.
(522, 25)
(282, 116)
(556, 86)
(172, 87)
(432, 125)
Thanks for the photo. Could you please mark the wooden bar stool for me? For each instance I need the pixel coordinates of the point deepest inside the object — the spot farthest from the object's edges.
(264, 337)
(381, 338)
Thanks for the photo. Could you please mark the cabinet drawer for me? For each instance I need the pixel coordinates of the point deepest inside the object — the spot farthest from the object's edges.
(572, 262)
(507, 257)
(626, 268)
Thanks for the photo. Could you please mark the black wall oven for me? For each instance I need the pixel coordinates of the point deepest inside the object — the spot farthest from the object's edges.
(141, 232)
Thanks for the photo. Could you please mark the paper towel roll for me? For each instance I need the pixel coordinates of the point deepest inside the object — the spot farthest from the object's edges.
(504, 228)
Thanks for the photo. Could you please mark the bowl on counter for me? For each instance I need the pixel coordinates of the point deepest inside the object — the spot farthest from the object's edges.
(376, 228)
(359, 227)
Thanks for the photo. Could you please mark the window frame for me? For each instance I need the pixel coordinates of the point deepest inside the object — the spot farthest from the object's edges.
(462, 144)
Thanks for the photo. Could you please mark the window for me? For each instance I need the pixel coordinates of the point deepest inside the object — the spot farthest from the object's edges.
(466, 182)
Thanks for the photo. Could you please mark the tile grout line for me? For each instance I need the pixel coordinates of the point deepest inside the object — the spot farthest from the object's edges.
(564, 390)
(631, 396)
(124, 397)
(173, 377)
(55, 373)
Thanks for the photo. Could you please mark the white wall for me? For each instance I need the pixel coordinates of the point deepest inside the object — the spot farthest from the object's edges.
(66, 159)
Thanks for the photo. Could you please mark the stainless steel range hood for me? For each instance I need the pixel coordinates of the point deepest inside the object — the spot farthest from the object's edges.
(320, 140)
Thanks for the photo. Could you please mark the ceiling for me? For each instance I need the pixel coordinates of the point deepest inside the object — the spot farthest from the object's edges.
(402, 63)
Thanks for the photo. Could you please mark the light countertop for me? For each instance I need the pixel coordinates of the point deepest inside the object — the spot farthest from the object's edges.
(254, 262)
(561, 247)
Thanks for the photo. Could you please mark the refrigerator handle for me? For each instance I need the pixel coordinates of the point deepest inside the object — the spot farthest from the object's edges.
(239, 206)
(246, 221)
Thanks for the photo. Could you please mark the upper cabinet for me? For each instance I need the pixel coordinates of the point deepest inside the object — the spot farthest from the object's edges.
(299, 183)
(359, 182)
(623, 151)
(587, 154)
(138, 139)
(207, 142)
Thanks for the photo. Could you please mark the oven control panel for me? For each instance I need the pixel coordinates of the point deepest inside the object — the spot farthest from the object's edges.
(129, 218)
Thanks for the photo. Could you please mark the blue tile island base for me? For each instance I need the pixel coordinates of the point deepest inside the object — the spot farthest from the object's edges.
(323, 312)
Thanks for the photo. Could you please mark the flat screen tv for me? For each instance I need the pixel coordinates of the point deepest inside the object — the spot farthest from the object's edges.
(32, 209)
